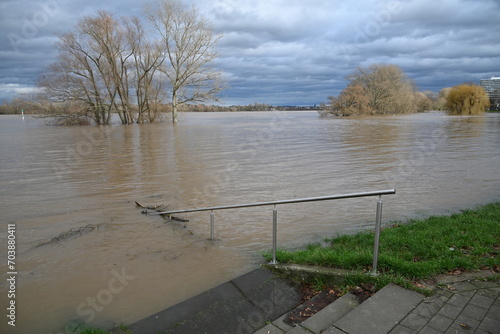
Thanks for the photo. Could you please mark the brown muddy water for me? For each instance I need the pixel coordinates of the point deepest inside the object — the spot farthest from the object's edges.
(59, 179)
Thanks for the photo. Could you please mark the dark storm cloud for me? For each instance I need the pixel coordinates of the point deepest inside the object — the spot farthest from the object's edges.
(288, 52)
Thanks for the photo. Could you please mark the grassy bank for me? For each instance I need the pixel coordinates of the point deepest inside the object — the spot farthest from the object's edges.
(419, 249)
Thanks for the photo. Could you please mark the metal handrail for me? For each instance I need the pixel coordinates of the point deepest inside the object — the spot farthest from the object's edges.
(298, 200)
(288, 201)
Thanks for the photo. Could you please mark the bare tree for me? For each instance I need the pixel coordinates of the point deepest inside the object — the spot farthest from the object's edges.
(75, 78)
(388, 89)
(379, 89)
(147, 59)
(423, 102)
(110, 66)
(109, 45)
(352, 100)
(91, 69)
(188, 40)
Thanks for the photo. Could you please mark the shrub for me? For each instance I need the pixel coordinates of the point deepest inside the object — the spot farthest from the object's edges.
(467, 100)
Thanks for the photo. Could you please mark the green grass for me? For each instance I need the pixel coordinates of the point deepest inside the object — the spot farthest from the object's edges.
(469, 240)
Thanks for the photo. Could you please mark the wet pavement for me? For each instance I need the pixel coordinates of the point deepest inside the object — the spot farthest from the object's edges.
(241, 305)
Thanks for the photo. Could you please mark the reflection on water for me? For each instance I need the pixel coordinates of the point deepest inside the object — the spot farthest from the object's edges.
(53, 179)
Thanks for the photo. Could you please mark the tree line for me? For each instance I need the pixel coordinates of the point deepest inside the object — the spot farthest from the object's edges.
(107, 66)
(111, 66)
(386, 89)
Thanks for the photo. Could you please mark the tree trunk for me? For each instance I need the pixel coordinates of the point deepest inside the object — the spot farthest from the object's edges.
(174, 107)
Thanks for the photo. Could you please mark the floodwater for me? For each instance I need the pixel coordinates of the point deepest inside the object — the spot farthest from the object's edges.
(55, 180)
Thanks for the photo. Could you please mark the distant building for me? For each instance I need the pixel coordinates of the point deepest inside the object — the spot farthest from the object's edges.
(492, 88)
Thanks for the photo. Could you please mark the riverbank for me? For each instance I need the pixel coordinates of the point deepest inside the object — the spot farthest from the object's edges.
(417, 255)
(410, 252)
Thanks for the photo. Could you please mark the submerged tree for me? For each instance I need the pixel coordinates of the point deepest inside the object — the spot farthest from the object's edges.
(188, 40)
(387, 88)
(353, 101)
(108, 66)
(441, 101)
(75, 78)
(467, 100)
(380, 89)
(147, 58)
(94, 68)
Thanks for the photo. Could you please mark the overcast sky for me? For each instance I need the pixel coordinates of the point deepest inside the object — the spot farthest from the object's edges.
(287, 52)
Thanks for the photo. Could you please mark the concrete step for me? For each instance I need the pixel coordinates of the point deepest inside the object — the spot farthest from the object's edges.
(329, 315)
(377, 315)
(380, 313)
(317, 323)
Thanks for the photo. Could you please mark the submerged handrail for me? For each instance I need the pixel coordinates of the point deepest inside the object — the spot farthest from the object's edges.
(287, 201)
(378, 218)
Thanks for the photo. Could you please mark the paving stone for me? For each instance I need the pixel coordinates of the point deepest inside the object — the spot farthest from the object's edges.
(466, 324)
(480, 331)
(492, 293)
(482, 301)
(466, 276)
(442, 299)
(469, 294)
(450, 311)
(427, 310)
(414, 321)
(440, 323)
(399, 329)
(474, 312)
(334, 330)
(381, 312)
(464, 286)
(299, 330)
(429, 330)
(484, 284)
(494, 312)
(455, 331)
(491, 325)
(445, 293)
(458, 300)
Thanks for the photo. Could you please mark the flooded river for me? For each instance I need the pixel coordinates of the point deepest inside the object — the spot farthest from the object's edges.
(55, 181)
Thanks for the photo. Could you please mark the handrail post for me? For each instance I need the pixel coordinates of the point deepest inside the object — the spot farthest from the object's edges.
(378, 220)
(212, 219)
(275, 234)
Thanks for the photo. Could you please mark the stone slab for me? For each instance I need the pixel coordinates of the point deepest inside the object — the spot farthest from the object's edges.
(281, 324)
(381, 312)
(331, 314)
(269, 329)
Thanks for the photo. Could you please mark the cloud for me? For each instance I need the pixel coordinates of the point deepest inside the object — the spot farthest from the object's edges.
(15, 89)
(290, 51)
